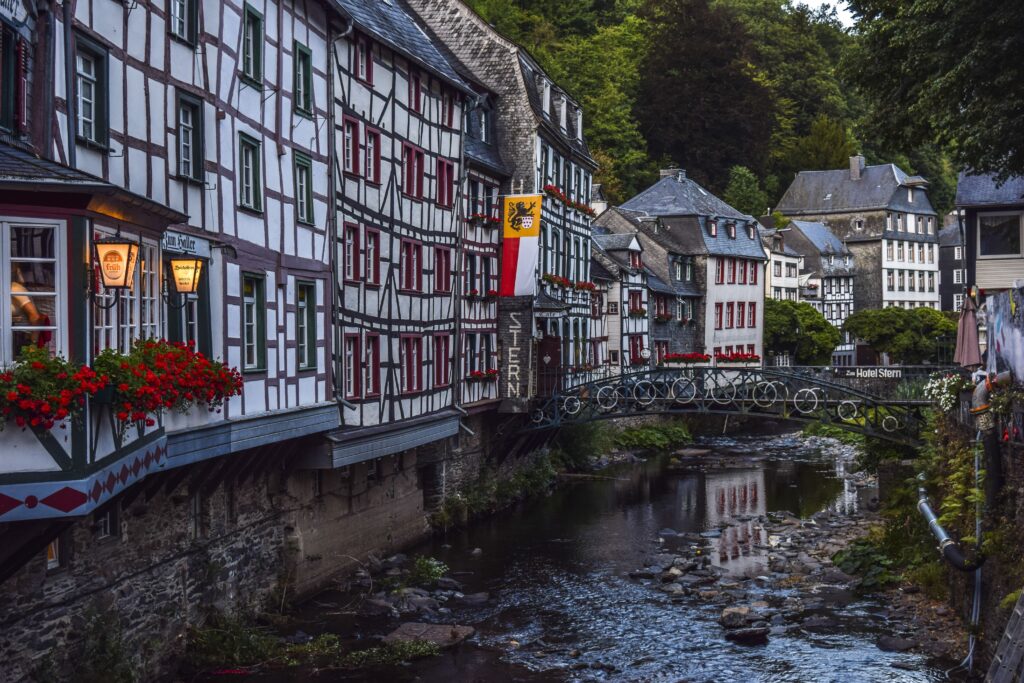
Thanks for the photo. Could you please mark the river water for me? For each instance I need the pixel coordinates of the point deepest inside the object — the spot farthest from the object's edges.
(556, 571)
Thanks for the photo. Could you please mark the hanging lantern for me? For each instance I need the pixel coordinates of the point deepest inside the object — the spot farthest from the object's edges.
(185, 273)
(116, 258)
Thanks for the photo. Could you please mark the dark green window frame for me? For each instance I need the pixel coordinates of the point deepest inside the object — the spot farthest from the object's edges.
(197, 172)
(303, 162)
(255, 202)
(305, 324)
(252, 74)
(101, 94)
(8, 75)
(303, 62)
(254, 319)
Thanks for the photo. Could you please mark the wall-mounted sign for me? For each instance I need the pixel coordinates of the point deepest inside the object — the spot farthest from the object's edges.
(14, 11)
(868, 373)
(180, 243)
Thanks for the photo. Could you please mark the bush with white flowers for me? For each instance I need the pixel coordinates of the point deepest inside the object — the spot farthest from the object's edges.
(944, 389)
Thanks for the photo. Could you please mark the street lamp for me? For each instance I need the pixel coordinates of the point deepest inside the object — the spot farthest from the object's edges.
(115, 259)
(184, 272)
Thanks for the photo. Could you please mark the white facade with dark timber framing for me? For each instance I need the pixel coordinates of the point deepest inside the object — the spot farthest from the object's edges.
(398, 113)
(191, 128)
(541, 143)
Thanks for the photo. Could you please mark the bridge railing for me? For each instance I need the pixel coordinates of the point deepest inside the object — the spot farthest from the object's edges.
(887, 382)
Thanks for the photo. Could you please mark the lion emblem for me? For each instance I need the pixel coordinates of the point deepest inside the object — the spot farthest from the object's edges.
(521, 216)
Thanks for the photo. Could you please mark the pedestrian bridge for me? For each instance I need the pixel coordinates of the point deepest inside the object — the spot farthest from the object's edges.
(883, 402)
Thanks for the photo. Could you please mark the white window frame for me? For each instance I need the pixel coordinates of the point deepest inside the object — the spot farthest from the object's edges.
(958, 253)
(139, 313)
(86, 79)
(179, 18)
(57, 324)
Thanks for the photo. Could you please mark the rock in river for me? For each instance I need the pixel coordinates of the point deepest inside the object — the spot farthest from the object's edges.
(748, 636)
(442, 635)
(895, 644)
(734, 617)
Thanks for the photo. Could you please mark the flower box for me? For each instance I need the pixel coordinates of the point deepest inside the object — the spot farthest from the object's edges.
(738, 357)
(556, 280)
(662, 317)
(585, 286)
(482, 376)
(685, 358)
(637, 312)
(482, 220)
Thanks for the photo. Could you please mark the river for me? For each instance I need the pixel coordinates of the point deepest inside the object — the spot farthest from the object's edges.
(563, 608)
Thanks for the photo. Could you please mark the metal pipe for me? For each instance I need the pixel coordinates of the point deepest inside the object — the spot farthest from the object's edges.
(947, 546)
(70, 100)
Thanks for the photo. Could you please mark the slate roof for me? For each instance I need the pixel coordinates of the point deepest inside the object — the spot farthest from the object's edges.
(545, 302)
(391, 22)
(769, 243)
(983, 190)
(819, 192)
(532, 74)
(821, 237)
(484, 154)
(614, 241)
(23, 170)
(680, 196)
(949, 236)
(598, 271)
(656, 284)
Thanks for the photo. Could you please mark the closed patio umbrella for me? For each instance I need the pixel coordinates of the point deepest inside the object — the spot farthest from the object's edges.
(968, 353)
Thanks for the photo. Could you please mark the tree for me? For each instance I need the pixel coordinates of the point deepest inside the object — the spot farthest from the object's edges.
(744, 192)
(909, 336)
(699, 101)
(828, 145)
(799, 329)
(946, 71)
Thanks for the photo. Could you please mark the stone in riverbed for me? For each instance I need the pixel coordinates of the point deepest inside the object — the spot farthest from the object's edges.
(442, 635)
(472, 598)
(642, 574)
(734, 617)
(748, 636)
(449, 584)
(895, 644)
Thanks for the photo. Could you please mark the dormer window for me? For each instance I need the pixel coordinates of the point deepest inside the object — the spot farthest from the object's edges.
(731, 230)
(448, 109)
(636, 260)
(579, 124)
(713, 228)
(415, 91)
(547, 96)
(750, 231)
(910, 195)
(831, 259)
(563, 113)
(485, 126)
(364, 61)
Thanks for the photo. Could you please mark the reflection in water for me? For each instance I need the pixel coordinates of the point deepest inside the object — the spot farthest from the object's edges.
(556, 572)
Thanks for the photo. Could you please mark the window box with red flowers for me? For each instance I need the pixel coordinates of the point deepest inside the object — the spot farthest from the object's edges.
(157, 375)
(40, 391)
(685, 358)
(482, 375)
(737, 357)
(491, 294)
(662, 317)
(556, 280)
(482, 220)
(637, 312)
(473, 293)
(556, 193)
(585, 286)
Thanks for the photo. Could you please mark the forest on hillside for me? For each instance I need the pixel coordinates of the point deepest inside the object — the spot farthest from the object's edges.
(741, 93)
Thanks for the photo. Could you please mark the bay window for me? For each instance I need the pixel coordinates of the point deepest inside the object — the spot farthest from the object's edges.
(35, 286)
(999, 235)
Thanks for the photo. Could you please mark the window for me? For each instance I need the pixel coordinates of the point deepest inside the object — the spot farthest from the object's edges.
(730, 315)
(364, 60)
(413, 161)
(371, 155)
(33, 284)
(305, 324)
(190, 138)
(920, 253)
(958, 302)
(485, 126)
(718, 316)
(412, 362)
(636, 260)
(448, 109)
(252, 46)
(731, 230)
(678, 267)
(442, 270)
(931, 282)
(415, 91)
(741, 310)
(660, 351)
(442, 360)
(471, 359)
(91, 92)
(910, 253)
(351, 143)
(719, 270)
(931, 253)
(689, 270)
(250, 178)
(999, 235)
(958, 276)
(743, 272)
(445, 182)
(372, 255)
(412, 266)
(613, 308)
(899, 251)
(752, 314)
(889, 250)
(13, 80)
(182, 19)
(254, 322)
(351, 252)
(137, 314)
(713, 228)
(469, 272)
(108, 522)
(636, 347)
(777, 268)
(302, 95)
(790, 270)
(353, 366)
(900, 278)
(372, 365)
(911, 284)
(889, 280)
(636, 301)
(303, 188)
(753, 272)
(56, 557)
(732, 271)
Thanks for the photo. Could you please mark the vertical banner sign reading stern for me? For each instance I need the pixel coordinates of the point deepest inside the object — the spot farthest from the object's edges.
(520, 246)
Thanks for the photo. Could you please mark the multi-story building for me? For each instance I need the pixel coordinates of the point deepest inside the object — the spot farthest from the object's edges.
(952, 268)
(724, 248)
(782, 274)
(628, 331)
(827, 279)
(993, 224)
(543, 148)
(886, 221)
(673, 282)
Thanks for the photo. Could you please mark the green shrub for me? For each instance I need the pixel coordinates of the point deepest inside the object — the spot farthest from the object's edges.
(653, 437)
(227, 641)
(576, 443)
(931, 577)
(426, 571)
(389, 655)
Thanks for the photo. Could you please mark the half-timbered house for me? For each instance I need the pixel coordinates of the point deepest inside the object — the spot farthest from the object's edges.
(622, 255)
(541, 143)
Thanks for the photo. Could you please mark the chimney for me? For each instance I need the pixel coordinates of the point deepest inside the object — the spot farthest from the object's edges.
(675, 172)
(856, 166)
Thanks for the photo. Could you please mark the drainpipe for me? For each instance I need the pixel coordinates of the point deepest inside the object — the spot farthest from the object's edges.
(986, 424)
(948, 547)
(69, 83)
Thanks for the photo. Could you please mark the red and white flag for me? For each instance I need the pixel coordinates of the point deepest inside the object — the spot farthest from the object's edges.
(521, 245)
